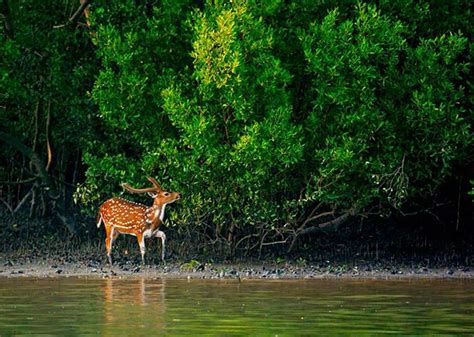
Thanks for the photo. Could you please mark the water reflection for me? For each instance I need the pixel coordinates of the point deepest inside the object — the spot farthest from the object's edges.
(133, 303)
(142, 307)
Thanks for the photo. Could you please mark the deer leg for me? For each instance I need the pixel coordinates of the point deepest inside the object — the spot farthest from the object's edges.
(162, 236)
(109, 233)
(141, 243)
(113, 237)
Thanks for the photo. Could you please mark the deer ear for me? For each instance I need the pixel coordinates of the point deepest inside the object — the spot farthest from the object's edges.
(152, 194)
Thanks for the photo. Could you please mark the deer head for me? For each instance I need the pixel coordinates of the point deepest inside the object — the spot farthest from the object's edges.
(156, 192)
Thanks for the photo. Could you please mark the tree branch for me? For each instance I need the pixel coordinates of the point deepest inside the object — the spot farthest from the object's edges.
(44, 177)
(48, 144)
(274, 242)
(73, 18)
(335, 222)
(26, 181)
(7, 205)
(22, 202)
(312, 218)
(6, 20)
(315, 229)
(81, 8)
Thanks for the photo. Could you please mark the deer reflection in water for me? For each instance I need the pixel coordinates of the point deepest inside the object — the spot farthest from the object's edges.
(124, 301)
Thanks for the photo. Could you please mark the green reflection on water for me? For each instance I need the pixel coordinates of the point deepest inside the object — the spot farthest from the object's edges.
(118, 307)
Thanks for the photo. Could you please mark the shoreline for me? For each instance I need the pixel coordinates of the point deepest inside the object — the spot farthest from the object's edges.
(225, 271)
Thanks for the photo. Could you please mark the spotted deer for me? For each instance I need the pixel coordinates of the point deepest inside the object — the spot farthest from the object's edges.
(121, 216)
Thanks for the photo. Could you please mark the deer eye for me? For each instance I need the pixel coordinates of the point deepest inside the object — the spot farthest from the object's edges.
(166, 194)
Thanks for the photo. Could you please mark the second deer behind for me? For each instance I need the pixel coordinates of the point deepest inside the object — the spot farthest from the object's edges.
(121, 216)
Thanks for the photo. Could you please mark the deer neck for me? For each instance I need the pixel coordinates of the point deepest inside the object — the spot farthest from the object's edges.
(155, 215)
(162, 212)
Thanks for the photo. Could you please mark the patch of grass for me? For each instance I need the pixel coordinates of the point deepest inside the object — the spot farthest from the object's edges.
(280, 260)
(301, 261)
(191, 265)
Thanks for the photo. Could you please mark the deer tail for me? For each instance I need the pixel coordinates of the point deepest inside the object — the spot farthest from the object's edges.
(99, 219)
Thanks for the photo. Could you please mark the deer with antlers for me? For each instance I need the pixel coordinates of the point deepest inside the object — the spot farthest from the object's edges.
(121, 216)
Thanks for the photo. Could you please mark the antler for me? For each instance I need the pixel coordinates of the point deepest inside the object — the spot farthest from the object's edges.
(155, 183)
(156, 187)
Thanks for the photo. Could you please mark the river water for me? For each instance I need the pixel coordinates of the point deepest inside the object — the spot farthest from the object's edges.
(143, 307)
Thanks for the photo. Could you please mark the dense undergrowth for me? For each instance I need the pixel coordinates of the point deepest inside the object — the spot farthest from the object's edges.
(414, 244)
(278, 122)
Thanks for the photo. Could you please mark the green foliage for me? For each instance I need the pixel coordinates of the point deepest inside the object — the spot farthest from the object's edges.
(280, 260)
(140, 50)
(301, 261)
(220, 127)
(44, 78)
(256, 111)
(46, 67)
(236, 142)
(188, 266)
(386, 119)
(255, 116)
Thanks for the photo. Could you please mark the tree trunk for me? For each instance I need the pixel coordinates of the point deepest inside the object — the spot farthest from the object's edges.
(45, 181)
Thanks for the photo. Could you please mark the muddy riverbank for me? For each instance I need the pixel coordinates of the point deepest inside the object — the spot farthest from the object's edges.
(242, 270)
(387, 252)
